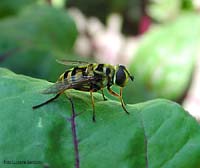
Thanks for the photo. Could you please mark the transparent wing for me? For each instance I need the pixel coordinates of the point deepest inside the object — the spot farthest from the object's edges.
(72, 62)
(61, 86)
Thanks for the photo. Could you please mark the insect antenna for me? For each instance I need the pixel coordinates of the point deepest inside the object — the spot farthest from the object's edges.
(129, 75)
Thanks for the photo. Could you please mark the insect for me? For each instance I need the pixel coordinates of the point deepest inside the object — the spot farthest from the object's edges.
(90, 78)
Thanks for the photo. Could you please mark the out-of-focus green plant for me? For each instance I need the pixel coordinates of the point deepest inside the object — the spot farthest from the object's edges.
(165, 60)
(59, 3)
(165, 10)
(9, 7)
(31, 41)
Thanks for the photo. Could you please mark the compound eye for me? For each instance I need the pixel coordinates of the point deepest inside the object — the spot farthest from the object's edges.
(120, 76)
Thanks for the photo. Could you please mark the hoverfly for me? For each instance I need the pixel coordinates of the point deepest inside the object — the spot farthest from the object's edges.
(90, 78)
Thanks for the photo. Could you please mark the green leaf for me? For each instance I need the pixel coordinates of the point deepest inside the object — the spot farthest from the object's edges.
(165, 60)
(156, 134)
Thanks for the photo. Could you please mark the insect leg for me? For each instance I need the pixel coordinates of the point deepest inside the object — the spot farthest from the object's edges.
(119, 96)
(46, 102)
(93, 114)
(103, 95)
(121, 99)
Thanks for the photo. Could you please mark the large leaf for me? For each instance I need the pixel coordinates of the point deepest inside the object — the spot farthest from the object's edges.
(156, 134)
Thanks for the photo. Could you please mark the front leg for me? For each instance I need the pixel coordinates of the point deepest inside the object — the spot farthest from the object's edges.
(119, 96)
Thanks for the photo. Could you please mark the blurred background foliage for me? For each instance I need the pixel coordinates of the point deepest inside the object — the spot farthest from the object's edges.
(33, 38)
(164, 35)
